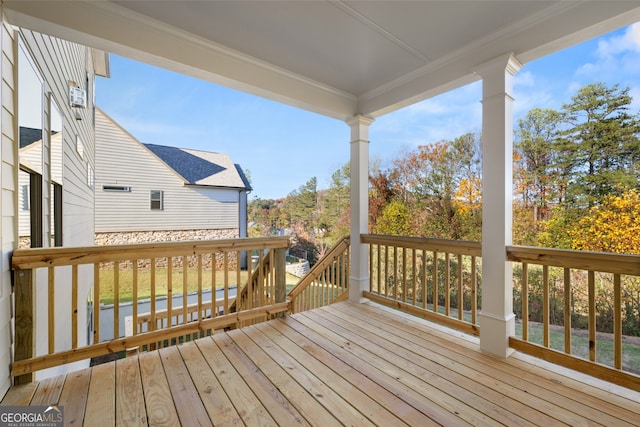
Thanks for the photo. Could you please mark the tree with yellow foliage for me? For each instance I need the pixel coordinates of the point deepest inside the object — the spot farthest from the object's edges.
(613, 226)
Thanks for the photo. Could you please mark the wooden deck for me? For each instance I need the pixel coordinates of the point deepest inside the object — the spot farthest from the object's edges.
(345, 364)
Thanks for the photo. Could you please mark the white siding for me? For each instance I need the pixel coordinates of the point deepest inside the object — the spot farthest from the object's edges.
(8, 184)
(122, 160)
(57, 62)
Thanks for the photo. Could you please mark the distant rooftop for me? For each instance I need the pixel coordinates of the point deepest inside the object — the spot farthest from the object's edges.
(202, 167)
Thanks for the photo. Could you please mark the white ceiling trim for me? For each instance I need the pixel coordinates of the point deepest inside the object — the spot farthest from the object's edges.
(478, 44)
(155, 42)
(115, 28)
(443, 74)
(378, 29)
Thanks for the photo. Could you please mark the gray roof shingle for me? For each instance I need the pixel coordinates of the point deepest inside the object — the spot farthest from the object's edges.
(201, 167)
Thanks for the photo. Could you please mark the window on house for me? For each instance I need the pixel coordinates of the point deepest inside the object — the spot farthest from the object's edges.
(55, 195)
(24, 197)
(79, 147)
(56, 215)
(32, 140)
(91, 179)
(124, 188)
(31, 221)
(157, 200)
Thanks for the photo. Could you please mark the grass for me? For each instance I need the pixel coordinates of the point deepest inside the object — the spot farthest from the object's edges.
(580, 346)
(579, 343)
(125, 285)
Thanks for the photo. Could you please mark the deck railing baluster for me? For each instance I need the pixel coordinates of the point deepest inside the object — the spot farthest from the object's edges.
(605, 271)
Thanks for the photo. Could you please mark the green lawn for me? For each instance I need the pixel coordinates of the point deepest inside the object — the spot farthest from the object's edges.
(579, 343)
(580, 346)
(177, 279)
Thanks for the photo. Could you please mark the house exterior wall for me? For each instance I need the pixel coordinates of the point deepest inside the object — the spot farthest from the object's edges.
(56, 62)
(122, 161)
(8, 200)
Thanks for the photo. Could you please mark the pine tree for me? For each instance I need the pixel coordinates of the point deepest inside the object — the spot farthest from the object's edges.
(601, 143)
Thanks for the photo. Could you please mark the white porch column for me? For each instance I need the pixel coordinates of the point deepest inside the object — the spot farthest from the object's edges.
(359, 166)
(497, 320)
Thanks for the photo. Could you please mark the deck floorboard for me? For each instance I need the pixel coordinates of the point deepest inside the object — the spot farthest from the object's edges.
(344, 364)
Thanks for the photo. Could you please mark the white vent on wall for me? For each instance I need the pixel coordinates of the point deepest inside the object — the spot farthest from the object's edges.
(77, 97)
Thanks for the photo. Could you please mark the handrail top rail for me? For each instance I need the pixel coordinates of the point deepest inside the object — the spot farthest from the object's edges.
(606, 262)
(23, 259)
(462, 247)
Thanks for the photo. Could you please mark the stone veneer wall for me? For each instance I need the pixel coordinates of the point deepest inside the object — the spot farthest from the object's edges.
(298, 269)
(134, 237)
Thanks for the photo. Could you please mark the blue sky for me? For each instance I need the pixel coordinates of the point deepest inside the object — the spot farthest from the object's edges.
(283, 147)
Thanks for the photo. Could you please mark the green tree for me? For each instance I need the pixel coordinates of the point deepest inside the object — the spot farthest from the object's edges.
(380, 195)
(395, 219)
(302, 204)
(333, 218)
(601, 143)
(534, 167)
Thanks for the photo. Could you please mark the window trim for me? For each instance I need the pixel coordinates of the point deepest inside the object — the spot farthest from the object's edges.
(158, 200)
(116, 188)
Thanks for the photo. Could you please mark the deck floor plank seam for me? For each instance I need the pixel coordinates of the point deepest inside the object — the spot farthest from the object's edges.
(20, 395)
(161, 410)
(279, 406)
(130, 407)
(48, 391)
(101, 405)
(401, 409)
(556, 393)
(74, 396)
(388, 382)
(339, 405)
(472, 387)
(444, 393)
(191, 410)
(370, 408)
(343, 364)
(304, 401)
(245, 401)
(216, 402)
(453, 362)
(448, 409)
(550, 378)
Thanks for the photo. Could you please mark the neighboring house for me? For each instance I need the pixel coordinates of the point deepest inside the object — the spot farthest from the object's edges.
(147, 192)
(47, 164)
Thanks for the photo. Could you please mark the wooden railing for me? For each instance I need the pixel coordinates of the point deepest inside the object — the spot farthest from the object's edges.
(564, 291)
(266, 285)
(432, 278)
(151, 321)
(62, 273)
(327, 282)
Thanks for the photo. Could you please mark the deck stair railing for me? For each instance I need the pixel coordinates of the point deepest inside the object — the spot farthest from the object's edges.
(266, 285)
(62, 277)
(573, 306)
(435, 279)
(327, 281)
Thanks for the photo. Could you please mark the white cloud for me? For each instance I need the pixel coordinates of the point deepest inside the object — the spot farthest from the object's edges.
(524, 79)
(615, 56)
(629, 41)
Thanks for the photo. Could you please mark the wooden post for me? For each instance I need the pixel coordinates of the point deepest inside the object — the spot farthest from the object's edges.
(280, 270)
(25, 307)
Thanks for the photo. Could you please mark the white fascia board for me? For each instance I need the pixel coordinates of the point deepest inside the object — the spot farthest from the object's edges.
(563, 25)
(115, 29)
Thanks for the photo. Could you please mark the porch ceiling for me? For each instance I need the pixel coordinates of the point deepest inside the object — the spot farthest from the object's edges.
(338, 58)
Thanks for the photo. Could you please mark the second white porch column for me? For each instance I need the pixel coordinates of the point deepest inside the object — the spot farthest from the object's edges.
(359, 166)
(497, 321)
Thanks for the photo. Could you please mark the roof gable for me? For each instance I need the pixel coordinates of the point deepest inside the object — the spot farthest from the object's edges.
(200, 167)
